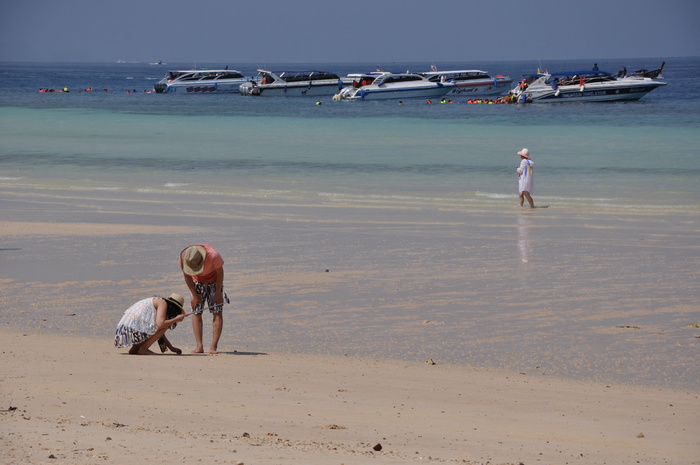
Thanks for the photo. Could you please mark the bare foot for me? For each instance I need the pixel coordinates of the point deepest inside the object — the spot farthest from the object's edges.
(213, 351)
(198, 350)
(146, 352)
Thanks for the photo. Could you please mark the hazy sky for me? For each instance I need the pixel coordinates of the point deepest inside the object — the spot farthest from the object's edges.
(321, 31)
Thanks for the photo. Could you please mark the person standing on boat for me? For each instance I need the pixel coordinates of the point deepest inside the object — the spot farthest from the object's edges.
(203, 270)
(525, 178)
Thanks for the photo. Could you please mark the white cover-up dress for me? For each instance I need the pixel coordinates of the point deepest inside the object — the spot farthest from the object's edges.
(137, 324)
(525, 176)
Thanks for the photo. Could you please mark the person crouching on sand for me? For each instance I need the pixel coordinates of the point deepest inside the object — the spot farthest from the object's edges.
(146, 322)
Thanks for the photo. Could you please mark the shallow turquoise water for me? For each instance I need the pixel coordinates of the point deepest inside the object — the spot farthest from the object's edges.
(639, 153)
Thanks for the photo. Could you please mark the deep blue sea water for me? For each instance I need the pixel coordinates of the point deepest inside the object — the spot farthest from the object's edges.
(637, 154)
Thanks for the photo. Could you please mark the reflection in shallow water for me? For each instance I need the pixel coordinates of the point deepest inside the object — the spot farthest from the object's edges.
(524, 236)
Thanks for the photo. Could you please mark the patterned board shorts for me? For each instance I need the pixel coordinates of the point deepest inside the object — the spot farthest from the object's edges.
(206, 293)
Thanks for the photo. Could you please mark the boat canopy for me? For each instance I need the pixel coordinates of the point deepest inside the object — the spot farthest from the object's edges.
(571, 73)
(461, 75)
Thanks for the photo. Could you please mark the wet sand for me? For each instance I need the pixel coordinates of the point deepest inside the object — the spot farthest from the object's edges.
(606, 295)
(555, 332)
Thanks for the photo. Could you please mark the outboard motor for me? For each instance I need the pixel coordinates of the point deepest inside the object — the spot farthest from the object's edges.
(160, 87)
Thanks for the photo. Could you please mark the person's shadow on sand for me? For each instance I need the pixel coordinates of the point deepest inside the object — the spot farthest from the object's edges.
(185, 354)
(236, 352)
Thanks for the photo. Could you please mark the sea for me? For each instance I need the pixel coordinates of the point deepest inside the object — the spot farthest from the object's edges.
(374, 229)
(639, 154)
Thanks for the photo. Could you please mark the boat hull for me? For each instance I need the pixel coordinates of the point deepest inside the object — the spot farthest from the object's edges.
(291, 90)
(481, 88)
(200, 87)
(431, 92)
(591, 94)
(593, 89)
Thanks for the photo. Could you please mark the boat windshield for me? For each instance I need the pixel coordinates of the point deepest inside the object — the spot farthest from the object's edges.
(296, 76)
(575, 79)
(401, 78)
(457, 75)
(201, 75)
(229, 75)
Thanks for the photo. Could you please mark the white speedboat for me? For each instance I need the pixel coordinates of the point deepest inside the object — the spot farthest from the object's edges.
(471, 82)
(587, 86)
(201, 80)
(293, 84)
(383, 85)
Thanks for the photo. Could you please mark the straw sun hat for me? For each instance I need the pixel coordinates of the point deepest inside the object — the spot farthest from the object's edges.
(176, 299)
(193, 259)
(524, 153)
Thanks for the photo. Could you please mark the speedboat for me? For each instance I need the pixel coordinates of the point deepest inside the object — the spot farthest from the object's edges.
(383, 85)
(471, 82)
(587, 86)
(293, 84)
(201, 80)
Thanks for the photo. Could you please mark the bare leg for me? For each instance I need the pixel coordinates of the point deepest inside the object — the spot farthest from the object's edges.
(197, 328)
(522, 198)
(135, 348)
(529, 199)
(144, 348)
(216, 328)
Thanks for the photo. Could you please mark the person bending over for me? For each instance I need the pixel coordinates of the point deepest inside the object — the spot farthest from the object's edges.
(203, 270)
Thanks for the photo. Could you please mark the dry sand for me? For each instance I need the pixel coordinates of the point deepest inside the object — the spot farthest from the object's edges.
(81, 401)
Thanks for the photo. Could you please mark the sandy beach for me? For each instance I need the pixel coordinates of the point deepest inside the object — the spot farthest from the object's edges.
(83, 402)
(336, 310)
